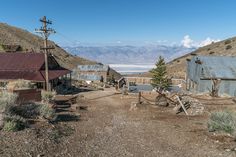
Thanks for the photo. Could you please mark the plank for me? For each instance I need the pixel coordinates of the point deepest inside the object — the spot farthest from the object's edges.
(185, 111)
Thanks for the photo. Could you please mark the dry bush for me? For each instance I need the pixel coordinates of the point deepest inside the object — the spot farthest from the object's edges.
(10, 126)
(14, 123)
(222, 121)
(48, 96)
(19, 84)
(7, 99)
(29, 110)
(228, 47)
(33, 110)
(47, 112)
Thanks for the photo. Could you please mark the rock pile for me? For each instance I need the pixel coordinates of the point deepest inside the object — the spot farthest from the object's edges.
(194, 106)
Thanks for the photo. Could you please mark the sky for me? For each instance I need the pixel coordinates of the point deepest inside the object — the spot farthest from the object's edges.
(117, 22)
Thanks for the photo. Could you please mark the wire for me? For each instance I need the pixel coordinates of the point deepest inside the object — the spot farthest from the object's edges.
(68, 39)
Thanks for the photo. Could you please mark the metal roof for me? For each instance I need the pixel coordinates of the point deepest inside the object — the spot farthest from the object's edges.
(28, 66)
(21, 61)
(96, 67)
(219, 67)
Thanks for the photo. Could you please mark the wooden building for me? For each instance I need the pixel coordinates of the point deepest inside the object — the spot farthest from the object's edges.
(97, 72)
(203, 70)
(30, 66)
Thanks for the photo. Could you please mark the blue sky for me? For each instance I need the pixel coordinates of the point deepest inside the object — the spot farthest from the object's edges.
(125, 21)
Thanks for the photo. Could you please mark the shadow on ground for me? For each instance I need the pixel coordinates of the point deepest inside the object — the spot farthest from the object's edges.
(67, 118)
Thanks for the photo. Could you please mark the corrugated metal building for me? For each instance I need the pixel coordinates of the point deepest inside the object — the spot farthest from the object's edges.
(97, 72)
(30, 66)
(201, 70)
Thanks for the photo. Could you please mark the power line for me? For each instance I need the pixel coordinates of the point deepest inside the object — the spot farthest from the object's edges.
(70, 40)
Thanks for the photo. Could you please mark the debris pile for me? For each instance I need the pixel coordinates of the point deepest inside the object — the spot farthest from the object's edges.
(193, 106)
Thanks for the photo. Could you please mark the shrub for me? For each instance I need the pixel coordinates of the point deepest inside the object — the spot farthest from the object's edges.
(30, 110)
(228, 47)
(10, 126)
(7, 99)
(222, 121)
(46, 111)
(227, 42)
(59, 132)
(19, 84)
(48, 96)
(14, 123)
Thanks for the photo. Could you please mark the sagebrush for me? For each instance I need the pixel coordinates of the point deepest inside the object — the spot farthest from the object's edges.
(19, 84)
(48, 96)
(14, 122)
(46, 111)
(223, 121)
(7, 99)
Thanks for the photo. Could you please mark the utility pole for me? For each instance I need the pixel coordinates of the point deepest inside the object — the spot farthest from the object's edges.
(45, 32)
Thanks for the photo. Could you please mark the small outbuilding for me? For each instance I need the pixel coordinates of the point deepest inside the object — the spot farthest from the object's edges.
(31, 66)
(96, 72)
(202, 71)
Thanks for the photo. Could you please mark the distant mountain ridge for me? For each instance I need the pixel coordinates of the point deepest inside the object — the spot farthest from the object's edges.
(128, 54)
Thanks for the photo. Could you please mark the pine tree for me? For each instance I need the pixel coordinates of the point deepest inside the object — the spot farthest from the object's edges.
(159, 75)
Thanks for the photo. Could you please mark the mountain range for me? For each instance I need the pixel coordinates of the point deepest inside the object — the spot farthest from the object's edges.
(129, 54)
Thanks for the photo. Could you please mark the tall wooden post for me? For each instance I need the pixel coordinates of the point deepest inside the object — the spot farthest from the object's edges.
(45, 32)
(46, 56)
(139, 97)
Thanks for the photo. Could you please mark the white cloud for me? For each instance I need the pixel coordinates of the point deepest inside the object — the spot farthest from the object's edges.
(207, 41)
(189, 43)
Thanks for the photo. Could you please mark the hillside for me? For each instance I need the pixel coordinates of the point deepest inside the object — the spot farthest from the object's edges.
(177, 67)
(29, 42)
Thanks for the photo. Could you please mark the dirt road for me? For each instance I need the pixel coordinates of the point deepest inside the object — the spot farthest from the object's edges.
(108, 128)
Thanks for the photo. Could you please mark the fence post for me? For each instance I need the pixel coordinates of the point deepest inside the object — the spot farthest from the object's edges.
(139, 97)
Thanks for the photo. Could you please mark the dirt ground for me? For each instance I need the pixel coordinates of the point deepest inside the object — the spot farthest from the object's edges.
(108, 128)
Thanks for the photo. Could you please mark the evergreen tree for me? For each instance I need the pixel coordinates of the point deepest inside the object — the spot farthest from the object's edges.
(159, 75)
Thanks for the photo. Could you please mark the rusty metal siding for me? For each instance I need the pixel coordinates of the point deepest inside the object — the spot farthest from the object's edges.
(95, 72)
(95, 68)
(21, 61)
(213, 67)
(227, 87)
